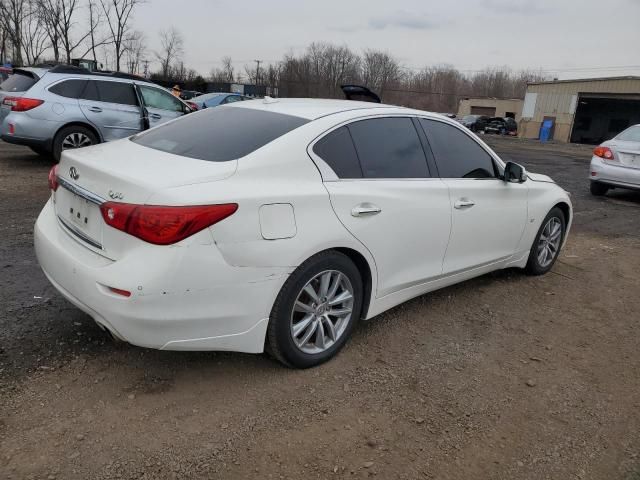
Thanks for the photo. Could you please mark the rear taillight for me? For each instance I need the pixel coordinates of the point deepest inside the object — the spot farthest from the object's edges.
(53, 178)
(603, 152)
(21, 104)
(163, 225)
(193, 105)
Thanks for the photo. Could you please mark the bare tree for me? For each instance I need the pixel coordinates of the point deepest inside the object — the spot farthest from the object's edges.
(380, 70)
(171, 48)
(118, 14)
(12, 16)
(35, 39)
(227, 69)
(135, 50)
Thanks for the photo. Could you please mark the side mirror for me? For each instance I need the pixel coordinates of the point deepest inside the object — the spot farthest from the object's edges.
(514, 173)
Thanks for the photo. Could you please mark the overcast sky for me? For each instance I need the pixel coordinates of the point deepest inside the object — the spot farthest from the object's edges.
(565, 38)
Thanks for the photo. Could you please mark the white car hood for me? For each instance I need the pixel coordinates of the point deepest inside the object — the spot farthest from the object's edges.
(538, 177)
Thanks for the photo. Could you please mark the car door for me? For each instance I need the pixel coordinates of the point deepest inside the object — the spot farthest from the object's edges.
(384, 195)
(112, 107)
(488, 215)
(160, 104)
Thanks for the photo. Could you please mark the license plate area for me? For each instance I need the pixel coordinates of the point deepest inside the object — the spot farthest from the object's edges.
(630, 159)
(80, 216)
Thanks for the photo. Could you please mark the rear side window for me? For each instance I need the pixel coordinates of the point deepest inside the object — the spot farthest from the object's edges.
(389, 148)
(219, 134)
(338, 151)
(457, 155)
(110, 92)
(18, 82)
(69, 88)
(631, 134)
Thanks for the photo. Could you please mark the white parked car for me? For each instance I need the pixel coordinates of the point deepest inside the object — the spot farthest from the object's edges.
(284, 223)
(616, 163)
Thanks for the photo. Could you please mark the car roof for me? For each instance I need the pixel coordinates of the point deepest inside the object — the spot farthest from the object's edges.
(312, 108)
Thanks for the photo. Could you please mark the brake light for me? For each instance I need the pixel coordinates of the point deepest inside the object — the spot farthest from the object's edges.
(53, 178)
(193, 105)
(163, 225)
(21, 104)
(119, 291)
(603, 152)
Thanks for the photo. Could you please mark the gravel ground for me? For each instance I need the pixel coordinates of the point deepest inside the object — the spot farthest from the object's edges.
(502, 377)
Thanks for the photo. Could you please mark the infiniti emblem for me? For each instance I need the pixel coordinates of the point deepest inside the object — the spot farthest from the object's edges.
(115, 195)
(73, 173)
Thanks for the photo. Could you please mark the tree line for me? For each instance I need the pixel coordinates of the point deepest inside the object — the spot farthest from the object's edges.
(57, 31)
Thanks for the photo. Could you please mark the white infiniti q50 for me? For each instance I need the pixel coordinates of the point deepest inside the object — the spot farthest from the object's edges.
(284, 223)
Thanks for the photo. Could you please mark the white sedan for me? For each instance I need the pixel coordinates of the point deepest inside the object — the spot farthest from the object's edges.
(284, 222)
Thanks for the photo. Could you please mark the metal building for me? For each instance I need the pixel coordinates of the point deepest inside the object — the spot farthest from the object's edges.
(491, 107)
(582, 111)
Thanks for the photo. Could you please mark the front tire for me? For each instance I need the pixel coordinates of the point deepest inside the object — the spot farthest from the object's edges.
(316, 310)
(71, 137)
(546, 247)
(598, 189)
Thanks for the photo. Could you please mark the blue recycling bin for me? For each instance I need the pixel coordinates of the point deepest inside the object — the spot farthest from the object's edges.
(545, 130)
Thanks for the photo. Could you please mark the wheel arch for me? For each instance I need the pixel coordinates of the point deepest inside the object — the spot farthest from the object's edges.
(79, 124)
(366, 274)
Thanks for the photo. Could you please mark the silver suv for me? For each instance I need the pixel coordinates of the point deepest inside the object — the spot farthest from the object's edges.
(50, 110)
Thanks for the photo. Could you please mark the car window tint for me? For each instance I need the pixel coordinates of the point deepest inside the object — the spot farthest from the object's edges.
(156, 98)
(18, 82)
(69, 88)
(233, 98)
(338, 151)
(457, 154)
(219, 134)
(389, 148)
(631, 134)
(116, 92)
(90, 92)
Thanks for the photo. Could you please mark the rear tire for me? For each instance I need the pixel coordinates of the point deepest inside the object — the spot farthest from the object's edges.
(304, 332)
(72, 135)
(546, 246)
(598, 189)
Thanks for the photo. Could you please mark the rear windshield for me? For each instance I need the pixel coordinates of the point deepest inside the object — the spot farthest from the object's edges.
(631, 134)
(219, 134)
(18, 82)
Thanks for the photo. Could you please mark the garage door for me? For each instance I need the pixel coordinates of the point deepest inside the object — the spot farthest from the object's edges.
(488, 111)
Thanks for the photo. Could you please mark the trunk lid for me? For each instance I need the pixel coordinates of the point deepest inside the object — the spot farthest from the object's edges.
(626, 153)
(120, 171)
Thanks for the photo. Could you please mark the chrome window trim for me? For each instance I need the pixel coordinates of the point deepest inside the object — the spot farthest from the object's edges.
(81, 192)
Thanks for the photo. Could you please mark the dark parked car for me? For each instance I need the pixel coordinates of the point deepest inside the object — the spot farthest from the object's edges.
(503, 126)
(189, 94)
(475, 123)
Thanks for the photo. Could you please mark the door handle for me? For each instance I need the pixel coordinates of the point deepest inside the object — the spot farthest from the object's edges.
(155, 116)
(95, 109)
(365, 209)
(463, 203)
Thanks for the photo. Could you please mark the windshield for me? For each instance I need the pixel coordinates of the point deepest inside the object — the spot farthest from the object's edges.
(219, 134)
(631, 134)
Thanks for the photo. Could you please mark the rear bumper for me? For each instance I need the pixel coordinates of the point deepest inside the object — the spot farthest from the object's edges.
(614, 175)
(182, 298)
(28, 142)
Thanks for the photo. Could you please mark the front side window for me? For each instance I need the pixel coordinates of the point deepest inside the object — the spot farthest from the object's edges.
(219, 134)
(116, 92)
(69, 88)
(337, 150)
(456, 153)
(156, 98)
(389, 148)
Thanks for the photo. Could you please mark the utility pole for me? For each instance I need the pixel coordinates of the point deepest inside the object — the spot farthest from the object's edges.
(258, 62)
(146, 69)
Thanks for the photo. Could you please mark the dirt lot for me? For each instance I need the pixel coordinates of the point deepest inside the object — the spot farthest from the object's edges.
(502, 377)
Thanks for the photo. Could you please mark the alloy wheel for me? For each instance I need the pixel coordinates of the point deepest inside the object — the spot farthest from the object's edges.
(76, 140)
(549, 243)
(322, 311)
